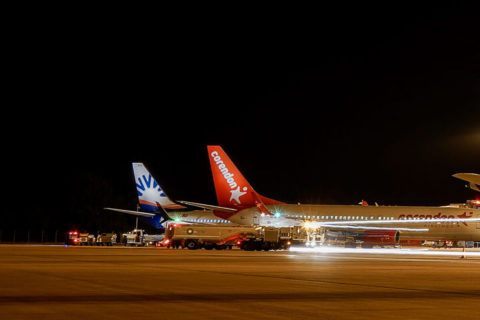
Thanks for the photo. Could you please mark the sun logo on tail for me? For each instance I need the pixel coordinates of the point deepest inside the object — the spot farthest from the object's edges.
(146, 184)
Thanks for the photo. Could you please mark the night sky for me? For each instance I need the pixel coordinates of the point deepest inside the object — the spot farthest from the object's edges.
(377, 103)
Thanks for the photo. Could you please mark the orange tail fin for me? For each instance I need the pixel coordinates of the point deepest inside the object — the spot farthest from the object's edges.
(232, 189)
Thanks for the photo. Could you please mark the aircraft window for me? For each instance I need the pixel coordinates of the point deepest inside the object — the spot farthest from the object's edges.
(348, 218)
(323, 217)
(331, 217)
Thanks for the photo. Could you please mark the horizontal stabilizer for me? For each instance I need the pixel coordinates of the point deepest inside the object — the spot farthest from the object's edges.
(208, 206)
(135, 213)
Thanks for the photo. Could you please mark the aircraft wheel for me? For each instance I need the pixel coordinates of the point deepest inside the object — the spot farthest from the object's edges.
(191, 244)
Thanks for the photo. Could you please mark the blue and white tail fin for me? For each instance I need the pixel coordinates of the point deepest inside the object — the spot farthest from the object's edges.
(150, 193)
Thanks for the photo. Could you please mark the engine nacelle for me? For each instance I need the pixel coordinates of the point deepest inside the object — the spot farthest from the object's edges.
(381, 237)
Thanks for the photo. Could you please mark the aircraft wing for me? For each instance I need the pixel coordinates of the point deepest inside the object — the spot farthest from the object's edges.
(472, 178)
(208, 206)
(135, 213)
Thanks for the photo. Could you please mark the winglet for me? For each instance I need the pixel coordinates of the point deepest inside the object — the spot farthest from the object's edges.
(473, 180)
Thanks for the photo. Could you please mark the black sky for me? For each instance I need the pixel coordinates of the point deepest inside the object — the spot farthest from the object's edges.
(331, 105)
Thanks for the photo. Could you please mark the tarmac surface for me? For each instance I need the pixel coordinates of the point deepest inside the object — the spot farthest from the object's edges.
(53, 282)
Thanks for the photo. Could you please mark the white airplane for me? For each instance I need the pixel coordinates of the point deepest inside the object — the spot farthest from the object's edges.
(473, 180)
(241, 204)
(155, 205)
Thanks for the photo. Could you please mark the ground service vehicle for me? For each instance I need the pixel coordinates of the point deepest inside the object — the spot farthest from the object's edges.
(87, 239)
(207, 236)
(107, 239)
(82, 239)
(138, 237)
(225, 237)
(73, 238)
(270, 238)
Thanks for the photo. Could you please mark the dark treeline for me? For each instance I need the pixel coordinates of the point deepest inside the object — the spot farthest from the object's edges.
(76, 202)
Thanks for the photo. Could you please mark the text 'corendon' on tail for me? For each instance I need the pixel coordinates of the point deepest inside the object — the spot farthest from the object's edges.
(232, 189)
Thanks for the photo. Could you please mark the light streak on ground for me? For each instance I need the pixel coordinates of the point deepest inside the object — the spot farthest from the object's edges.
(378, 228)
(405, 221)
(383, 251)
